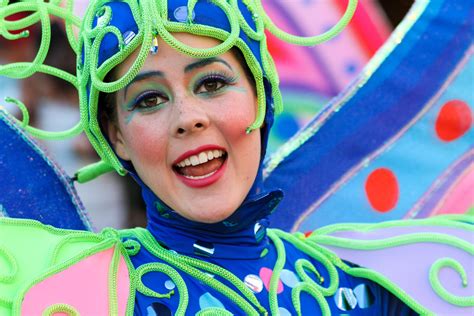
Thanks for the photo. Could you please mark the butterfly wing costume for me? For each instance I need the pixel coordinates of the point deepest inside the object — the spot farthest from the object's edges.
(236, 266)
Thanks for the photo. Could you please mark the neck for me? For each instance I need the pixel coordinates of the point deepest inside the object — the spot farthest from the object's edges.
(242, 235)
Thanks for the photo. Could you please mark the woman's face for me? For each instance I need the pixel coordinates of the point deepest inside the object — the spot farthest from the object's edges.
(182, 123)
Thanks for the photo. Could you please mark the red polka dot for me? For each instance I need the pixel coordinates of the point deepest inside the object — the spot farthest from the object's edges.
(381, 188)
(454, 119)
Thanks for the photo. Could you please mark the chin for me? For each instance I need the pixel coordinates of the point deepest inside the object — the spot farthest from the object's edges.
(210, 217)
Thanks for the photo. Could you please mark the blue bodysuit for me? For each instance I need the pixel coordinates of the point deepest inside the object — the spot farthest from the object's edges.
(239, 255)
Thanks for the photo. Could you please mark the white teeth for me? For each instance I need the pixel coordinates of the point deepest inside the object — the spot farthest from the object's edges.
(201, 177)
(194, 160)
(201, 158)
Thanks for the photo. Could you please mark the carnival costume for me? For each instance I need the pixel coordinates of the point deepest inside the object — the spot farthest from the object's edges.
(177, 266)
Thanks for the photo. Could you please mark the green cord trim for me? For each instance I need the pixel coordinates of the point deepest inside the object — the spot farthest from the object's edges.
(39, 12)
(106, 244)
(441, 291)
(301, 265)
(10, 259)
(106, 240)
(307, 285)
(214, 311)
(175, 277)
(313, 40)
(395, 241)
(152, 20)
(274, 280)
(113, 280)
(388, 285)
(311, 290)
(92, 171)
(195, 268)
(60, 308)
(454, 221)
(132, 247)
(153, 267)
(6, 302)
(71, 239)
(24, 111)
(318, 254)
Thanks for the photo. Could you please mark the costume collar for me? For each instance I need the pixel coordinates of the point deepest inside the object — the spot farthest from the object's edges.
(242, 235)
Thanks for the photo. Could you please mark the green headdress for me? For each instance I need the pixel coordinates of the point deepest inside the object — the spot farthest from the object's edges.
(112, 30)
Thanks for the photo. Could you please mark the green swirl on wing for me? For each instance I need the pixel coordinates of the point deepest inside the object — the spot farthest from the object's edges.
(13, 266)
(441, 291)
(460, 222)
(60, 308)
(9, 276)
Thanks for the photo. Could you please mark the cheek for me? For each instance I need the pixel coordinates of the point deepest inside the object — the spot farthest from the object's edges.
(237, 114)
(146, 143)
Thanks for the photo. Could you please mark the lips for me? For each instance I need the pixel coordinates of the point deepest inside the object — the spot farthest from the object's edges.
(201, 167)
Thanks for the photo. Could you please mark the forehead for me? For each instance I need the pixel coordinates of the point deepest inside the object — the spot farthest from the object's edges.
(168, 58)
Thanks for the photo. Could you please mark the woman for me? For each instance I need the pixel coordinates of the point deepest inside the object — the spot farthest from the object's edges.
(181, 96)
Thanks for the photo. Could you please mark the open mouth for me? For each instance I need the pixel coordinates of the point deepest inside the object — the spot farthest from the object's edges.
(202, 165)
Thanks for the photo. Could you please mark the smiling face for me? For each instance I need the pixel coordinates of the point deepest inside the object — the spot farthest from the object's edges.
(182, 123)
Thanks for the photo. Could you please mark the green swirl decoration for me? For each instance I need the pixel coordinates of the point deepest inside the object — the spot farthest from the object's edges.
(10, 276)
(151, 17)
(323, 236)
(214, 311)
(13, 266)
(60, 308)
(441, 291)
(195, 268)
(175, 277)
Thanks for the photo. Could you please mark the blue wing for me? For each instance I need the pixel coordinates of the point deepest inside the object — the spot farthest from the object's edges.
(399, 141)
(32, 186)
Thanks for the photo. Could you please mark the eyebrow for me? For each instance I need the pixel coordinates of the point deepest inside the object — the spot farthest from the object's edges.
(193, 66)
(204, 62)
(143, 76)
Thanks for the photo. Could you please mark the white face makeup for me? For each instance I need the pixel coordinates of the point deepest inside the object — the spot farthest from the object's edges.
(182, 123)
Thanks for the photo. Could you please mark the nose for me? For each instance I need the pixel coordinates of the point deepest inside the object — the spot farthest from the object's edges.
(190, 118)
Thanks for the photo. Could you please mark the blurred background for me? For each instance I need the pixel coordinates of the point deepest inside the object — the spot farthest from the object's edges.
(310, 76)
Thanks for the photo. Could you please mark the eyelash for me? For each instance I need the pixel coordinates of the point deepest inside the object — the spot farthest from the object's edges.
(223, 79)
(146, 96)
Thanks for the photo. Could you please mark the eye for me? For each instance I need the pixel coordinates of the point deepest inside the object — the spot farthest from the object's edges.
(213, 83)
(150, 100)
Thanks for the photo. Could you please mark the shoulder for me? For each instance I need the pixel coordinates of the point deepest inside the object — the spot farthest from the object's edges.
(48, 267)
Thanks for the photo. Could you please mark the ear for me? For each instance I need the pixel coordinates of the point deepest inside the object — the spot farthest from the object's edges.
(117, 140)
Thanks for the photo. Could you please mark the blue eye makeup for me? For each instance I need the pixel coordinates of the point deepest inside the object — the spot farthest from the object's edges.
(148, 101)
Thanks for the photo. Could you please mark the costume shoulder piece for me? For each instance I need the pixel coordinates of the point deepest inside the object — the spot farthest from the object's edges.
(426, 263)
(37, 261)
